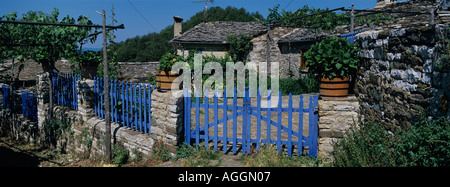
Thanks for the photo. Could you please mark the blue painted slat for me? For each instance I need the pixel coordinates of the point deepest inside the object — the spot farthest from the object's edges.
(300, 127)
(249, 120)
(23, 94)
(134, 100)
(279, 122)
(126, 101)
(150, 110)
(102, 82)
(258, 118)
(234, 120)
(206, 101)
(290, 125)
(96, 96)
(216, 113)
(116, 94)
(122, 103)
(197, 120)
(189, 116)
(311, 126)
(139, 108)
(145, 109)
(244, 125)
(225, 114)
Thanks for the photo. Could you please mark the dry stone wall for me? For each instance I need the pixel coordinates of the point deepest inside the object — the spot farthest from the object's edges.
(400, 74)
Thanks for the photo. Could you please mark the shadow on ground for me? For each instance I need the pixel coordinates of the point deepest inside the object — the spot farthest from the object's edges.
(10, 158)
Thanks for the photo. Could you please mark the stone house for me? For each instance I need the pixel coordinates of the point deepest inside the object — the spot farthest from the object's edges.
(208, 38)
(287, 44)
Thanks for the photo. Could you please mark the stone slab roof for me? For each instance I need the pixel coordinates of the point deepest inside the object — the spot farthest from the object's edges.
(303, 35)
(216, 32)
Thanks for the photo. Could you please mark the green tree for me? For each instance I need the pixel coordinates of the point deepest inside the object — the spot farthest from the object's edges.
(240, 46)
(42, 43)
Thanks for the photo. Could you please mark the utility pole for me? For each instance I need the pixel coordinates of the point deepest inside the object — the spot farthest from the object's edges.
(206, 7)
(106, 92)
(11, 84)
(268, 47)
(352, 19)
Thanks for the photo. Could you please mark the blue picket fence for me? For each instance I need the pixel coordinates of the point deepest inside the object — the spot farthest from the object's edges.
(29, 105)
(29, 102)
(65, 89)
(6, 96)
(351, 36)
(252, 125)
(130, 103)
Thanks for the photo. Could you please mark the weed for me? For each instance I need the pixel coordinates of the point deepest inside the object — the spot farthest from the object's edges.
(137, 154)
(160, 152)
(423, 144)
(120, 155)
(193, 157)
(268, 156)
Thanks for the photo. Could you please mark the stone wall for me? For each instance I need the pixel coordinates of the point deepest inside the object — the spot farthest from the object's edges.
(167, 118)
(137, 71)
(335, 117)
(400, 75)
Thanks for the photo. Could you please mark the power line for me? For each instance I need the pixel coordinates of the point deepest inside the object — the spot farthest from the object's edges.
(142, 16)
(61, 24)
(288, 5)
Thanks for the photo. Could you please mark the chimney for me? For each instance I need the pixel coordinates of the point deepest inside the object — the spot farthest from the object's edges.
(177, 26)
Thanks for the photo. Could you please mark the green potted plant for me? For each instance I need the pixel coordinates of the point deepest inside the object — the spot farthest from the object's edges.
(89, 61)
(164, 75)
(333, 61)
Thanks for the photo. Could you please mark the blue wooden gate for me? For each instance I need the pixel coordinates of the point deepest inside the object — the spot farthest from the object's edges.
(243, 125)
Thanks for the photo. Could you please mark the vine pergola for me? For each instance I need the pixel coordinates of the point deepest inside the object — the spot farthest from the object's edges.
(104, 28)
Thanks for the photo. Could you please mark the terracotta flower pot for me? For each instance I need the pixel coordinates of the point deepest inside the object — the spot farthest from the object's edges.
(164, 80)
(336, 88)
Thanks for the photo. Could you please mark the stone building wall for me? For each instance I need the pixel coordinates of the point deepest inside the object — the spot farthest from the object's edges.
(400, 74)
(259, 52)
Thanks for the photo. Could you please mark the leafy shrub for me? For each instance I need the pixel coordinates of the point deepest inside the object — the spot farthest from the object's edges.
(424, 144)
(363, 146)
(300, 86)
(168, 60)
(332, 57)
(240, 46)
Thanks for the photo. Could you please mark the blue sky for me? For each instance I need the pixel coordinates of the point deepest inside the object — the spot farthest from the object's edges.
(159, 12)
